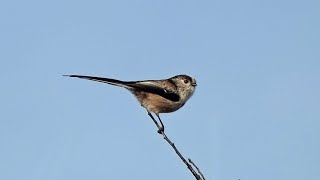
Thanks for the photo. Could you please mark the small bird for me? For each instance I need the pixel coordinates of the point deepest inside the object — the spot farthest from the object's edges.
(156, 96)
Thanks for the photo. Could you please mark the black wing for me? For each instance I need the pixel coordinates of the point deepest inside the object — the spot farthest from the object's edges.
(155, 89)
(147, 86)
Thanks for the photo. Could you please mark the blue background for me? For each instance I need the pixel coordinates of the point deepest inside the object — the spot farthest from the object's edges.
(255, 113)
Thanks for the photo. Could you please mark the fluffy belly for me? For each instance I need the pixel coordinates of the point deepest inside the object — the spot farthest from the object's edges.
(157, 104)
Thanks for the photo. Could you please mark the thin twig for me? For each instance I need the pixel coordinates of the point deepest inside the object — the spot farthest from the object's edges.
(189, 166)
(190, 161)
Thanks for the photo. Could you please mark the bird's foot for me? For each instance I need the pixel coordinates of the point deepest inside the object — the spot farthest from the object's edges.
(161, 130)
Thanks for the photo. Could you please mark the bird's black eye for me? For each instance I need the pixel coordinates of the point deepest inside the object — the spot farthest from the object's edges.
(186, 81)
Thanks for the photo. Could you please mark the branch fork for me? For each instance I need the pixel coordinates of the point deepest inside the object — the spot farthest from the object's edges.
(190, 164)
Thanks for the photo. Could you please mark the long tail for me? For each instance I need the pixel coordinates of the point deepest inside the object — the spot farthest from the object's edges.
(103, 80)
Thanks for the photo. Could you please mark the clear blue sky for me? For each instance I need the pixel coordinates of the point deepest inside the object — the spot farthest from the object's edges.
(255, 113)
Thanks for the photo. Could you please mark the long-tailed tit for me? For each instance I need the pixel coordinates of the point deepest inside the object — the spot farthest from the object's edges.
(157, 96)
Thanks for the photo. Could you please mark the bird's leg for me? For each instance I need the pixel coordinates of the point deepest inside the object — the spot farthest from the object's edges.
(156, 123)
(162, 126)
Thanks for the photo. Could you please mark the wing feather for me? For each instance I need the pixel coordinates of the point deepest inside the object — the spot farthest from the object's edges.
(156, 87)
(150, 86)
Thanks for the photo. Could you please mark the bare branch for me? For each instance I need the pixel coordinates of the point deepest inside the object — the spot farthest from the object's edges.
(189, 165)
(190, 161)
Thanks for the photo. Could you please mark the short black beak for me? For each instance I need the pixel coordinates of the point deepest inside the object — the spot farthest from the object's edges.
(194, 84)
